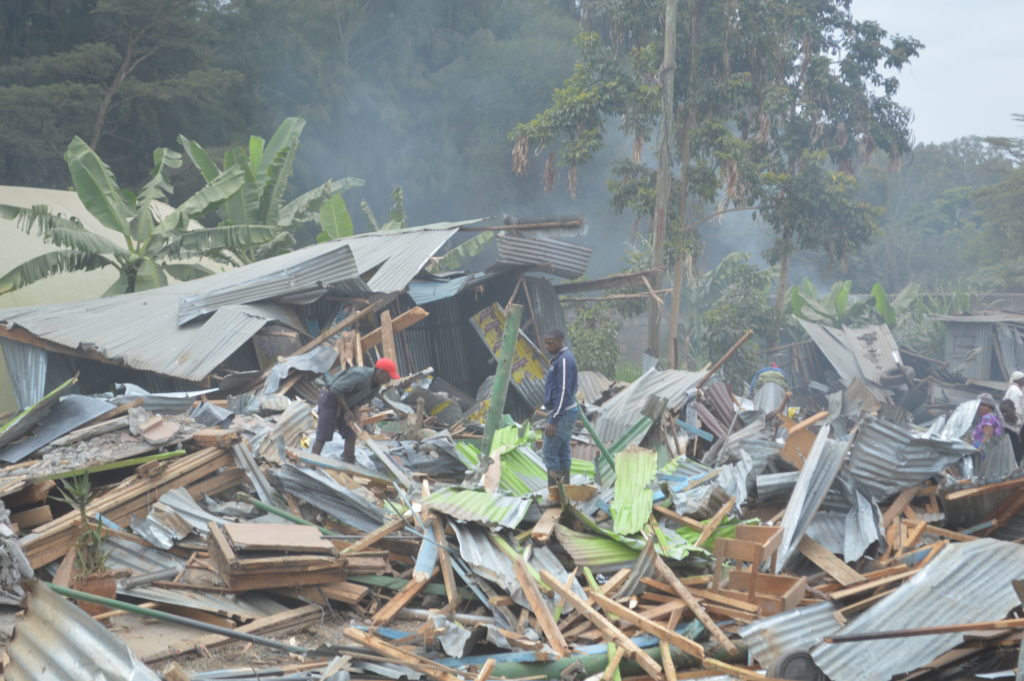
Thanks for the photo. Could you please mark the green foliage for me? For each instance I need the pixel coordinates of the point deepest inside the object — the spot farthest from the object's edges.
(593, 333)
(816, 209)
(730, 299)
(910, 313)
(90, 555)
(152, 240)
(932, 224)
(461, 253)
(259, 204)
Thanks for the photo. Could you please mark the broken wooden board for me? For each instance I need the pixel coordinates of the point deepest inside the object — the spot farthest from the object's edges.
(277, 537)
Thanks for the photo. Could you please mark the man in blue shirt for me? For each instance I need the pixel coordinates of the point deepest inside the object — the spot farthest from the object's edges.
(560, 406)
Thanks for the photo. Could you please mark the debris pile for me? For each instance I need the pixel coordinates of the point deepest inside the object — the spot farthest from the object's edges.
(733, 534)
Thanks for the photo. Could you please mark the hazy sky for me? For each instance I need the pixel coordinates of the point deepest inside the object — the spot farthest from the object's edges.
(969, 77)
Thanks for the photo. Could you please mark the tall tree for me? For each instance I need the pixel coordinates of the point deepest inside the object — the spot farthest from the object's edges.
(122, 74)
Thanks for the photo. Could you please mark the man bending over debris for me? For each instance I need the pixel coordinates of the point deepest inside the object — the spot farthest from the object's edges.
(345, 393)
(560, 405)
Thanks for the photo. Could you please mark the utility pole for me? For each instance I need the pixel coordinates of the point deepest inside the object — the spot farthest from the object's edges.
(663, 182)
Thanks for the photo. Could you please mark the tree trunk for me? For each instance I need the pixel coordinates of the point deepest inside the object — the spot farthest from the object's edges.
(780, 293)
(684, 266)
(663, 186)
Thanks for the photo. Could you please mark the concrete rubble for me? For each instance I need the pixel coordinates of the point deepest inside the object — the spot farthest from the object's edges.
(799, 533)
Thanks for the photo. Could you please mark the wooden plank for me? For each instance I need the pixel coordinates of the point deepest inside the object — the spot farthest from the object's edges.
(427, 666)
(665, 572)
(133, 496)
(399, 323)
(401, 599)
(985, 489)
(900, 503)
(540, 609)
(541, 532)
(681, 519)
(282, 621)
(711, 596)
(634, 652)
(613, 661)
(829, 562)
(348, 593)
(387, 333)
(444, 560)
(216, 437)
(373, 537)
(870, 585)
(31, 493)
(33, 517)
(715, 521)
(485, 671)
(647, 625)
(1016, 623)
(277, 537)
(949, 534)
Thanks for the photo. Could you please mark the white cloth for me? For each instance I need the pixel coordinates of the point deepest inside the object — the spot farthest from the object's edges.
(1015, 394)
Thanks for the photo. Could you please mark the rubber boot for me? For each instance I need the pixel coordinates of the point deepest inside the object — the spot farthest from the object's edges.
(349, 454)
(553, 499)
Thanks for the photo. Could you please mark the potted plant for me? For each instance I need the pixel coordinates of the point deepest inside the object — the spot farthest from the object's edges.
(90, 565)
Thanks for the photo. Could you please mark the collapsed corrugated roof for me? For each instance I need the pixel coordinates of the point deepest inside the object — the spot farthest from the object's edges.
(864, 353)
(550, 255)
(622, 411)
(56, 640)
(159, 330)
(968, 582)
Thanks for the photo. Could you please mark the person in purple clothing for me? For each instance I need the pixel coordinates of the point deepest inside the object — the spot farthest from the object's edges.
(990, 424)
(560, 407)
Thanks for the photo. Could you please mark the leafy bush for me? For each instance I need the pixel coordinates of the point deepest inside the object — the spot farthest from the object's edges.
(593, 337)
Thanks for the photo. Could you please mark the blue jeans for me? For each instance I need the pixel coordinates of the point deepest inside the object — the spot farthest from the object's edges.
(555, 450)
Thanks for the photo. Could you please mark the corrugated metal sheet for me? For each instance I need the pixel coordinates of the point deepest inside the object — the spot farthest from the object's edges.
(863, 353)
(57, 641)
(26, 365)
(886, 458)
(969, 339)
(598, 553)
(400, 254)
(321, 491)
(290, 425)
(773, 485)
(154, 338)
(24, 422)
(71, 412)
(634, 471)
(621, 412)
(772, 638)
(545, 306)
(820, 469)
(593, 384)
(1011, 349)
(551, 255)
(486, 559)
(479, 507)
(313, 268)
(967, 582)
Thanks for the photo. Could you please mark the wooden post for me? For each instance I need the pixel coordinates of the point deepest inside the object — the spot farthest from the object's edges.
(665, 572)
(387, 335)
(502, 375)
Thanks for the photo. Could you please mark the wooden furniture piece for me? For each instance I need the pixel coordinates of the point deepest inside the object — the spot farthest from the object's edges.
(755, 546)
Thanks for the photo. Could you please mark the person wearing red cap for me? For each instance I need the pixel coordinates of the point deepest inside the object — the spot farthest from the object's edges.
(344, 394)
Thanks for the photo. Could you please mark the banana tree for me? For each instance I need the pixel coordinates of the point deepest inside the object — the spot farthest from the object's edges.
(266, 168)
(145, 240)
